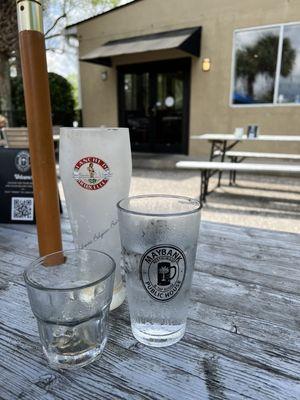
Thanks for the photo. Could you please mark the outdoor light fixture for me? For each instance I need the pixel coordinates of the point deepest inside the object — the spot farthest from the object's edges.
(206, 64)
(104, 75)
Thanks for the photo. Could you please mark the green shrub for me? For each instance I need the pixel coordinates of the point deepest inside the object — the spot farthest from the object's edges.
(17, 99)
(62, 101)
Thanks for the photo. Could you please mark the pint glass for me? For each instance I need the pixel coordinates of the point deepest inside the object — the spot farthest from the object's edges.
(95, 168)
(159, 240)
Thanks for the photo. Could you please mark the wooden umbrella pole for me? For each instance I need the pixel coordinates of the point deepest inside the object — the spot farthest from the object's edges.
(38, 115)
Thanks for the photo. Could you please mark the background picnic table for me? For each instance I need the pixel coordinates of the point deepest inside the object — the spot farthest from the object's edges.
(242, 339)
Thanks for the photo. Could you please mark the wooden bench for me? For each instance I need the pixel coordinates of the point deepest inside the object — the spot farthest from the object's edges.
(17, 138)
(239, 156)
(251, 154)
(208, 168)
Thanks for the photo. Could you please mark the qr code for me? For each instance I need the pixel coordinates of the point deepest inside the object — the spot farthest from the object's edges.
(22, 209)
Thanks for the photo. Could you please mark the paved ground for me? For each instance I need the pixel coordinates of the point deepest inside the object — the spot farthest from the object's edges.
(265, 202)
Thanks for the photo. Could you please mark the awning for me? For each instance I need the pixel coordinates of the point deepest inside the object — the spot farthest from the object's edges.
(187, 40)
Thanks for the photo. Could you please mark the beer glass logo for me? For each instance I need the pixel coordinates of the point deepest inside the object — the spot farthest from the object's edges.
(22, 161)
(91, 173)
(162, 271)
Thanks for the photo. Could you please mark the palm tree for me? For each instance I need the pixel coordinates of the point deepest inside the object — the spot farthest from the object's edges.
(261, 58)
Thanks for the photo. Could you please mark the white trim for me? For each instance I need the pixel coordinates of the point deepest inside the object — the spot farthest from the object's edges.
(252, 28)
(278, 67)
(232, 77)
(264, 105)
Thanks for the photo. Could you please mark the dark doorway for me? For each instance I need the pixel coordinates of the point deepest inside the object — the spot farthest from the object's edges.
(154, 105)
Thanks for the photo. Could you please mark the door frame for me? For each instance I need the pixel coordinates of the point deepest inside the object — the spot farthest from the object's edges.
(160, 66)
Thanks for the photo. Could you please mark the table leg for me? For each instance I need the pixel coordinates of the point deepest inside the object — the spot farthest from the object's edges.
(202, 188)
(207, 176)
(234, 172)
(212, 150)
(231, 173)
(222, 160)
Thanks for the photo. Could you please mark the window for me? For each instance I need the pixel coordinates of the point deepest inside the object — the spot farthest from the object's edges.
(267, 65)
(289, 80)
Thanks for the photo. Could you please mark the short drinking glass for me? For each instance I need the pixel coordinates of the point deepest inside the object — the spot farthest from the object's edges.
(70, 293)
(159, 240)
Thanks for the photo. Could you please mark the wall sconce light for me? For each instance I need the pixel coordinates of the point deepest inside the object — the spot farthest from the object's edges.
(206, 64)
(104, 75)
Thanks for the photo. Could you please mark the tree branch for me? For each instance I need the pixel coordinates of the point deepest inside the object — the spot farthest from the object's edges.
(54, 50)
(54, 35)
(55, 23)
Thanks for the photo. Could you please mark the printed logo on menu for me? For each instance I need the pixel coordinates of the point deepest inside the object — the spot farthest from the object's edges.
(91, 173)
(22, 161)
(162, 271)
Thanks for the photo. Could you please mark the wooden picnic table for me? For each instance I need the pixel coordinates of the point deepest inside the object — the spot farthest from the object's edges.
(261, 138)
(223, 142)
(242, 340)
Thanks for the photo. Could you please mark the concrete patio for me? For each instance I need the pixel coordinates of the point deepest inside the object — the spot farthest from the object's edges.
(267, 202)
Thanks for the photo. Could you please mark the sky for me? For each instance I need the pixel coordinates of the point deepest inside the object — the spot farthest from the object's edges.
(65, 62)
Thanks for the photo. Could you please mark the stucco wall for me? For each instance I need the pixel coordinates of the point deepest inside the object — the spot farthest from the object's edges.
(210, 110)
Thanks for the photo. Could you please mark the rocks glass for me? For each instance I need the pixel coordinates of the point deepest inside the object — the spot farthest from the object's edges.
(70, 293)
(159, 240)
(95, 169)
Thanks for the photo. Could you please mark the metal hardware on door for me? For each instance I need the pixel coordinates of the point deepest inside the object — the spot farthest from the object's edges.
(154, 110)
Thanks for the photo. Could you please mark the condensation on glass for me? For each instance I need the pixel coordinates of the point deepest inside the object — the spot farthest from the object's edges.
(159, 241)
(70, 293)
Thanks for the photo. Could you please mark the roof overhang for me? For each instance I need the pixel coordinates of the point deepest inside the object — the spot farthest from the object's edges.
(187, 40)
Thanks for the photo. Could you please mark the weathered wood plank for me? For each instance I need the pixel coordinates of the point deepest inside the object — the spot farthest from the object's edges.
(242, 340)
(16, 297)
(258, 253)
(268, 356)
(28, 228)
(32, 374)
(281, 280)
(251, 291)
(251, 235)
(266, 257)
(251, 286)
(207, 270)
(15, 233)
(22, 244)
(233, 320)
(188, 352)
(184, 355)
(241, 324)
(248, 299)
(120, 366)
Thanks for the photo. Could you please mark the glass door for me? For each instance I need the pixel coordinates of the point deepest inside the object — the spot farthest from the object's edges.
(168, 111)
(154, 103)
(137, 110)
